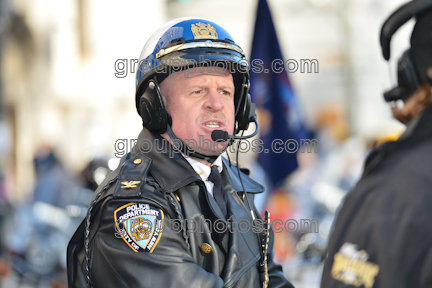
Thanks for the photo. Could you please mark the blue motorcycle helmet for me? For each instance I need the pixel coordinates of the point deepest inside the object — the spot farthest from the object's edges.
(188, 43)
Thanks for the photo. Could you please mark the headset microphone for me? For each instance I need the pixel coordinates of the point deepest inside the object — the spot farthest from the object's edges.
(220, 135)
(217, 135)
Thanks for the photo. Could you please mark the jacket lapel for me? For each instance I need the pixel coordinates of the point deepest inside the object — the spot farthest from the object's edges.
(243, 241)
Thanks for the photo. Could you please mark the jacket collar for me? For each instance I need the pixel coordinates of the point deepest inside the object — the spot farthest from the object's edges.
(418, 129)
(232, 176)
(168, 167)
(172, 171)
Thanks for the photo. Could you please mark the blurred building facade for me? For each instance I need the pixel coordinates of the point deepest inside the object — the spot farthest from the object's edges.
(58, 86)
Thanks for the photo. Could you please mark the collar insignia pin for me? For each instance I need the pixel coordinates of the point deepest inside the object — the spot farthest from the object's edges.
(130, 184)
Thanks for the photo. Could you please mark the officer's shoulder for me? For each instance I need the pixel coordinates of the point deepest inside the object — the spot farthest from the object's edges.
(128, 179)
(131, 182)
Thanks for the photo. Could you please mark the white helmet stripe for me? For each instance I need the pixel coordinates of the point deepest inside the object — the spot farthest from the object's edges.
(206, 44)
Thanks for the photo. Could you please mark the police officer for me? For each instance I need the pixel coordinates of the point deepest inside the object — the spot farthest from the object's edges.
(382, 236)
(175, 213)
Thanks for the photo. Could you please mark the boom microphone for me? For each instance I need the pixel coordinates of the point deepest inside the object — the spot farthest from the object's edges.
(220, 135)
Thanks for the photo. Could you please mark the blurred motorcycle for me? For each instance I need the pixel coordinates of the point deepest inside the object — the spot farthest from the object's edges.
(38, 234)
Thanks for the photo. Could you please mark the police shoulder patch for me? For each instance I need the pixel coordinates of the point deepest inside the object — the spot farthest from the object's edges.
(139, 225)
(351, 267)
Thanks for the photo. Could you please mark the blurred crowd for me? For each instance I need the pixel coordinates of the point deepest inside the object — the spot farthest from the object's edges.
(35, 232)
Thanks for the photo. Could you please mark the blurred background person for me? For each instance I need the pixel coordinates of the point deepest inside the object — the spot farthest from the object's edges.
(52, 181)
(382, 235)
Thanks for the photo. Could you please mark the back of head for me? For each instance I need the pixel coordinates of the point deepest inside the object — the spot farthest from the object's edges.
(421, 46)
(415, 64)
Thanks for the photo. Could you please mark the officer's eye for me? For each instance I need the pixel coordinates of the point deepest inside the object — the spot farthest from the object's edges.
(224, 92)
(197, 92)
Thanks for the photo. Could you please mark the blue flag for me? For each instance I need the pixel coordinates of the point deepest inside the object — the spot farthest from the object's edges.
(271, 91)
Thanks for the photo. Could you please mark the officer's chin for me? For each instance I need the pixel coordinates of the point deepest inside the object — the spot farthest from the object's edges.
(400, 115)
(219, 148)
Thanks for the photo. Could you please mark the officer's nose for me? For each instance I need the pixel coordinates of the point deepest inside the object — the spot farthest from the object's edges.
(214, 101)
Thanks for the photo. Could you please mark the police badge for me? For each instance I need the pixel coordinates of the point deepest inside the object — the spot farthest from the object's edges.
(139, 225)
(203, 31)
(141, 228)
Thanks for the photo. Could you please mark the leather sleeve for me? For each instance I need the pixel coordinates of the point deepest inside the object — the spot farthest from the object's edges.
(170, 264)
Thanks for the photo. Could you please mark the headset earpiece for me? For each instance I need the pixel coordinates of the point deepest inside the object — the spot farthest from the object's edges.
(407, 75)
(152, 109)
(408, 80)
(243, 116)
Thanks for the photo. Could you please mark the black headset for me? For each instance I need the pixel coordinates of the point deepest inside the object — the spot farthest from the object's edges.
(152, 109)
(408, 76)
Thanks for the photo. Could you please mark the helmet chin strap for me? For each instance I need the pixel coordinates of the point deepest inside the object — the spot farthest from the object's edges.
(181, 146)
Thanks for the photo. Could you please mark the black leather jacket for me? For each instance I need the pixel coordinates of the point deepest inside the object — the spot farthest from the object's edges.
(382, 236)
(178, 258)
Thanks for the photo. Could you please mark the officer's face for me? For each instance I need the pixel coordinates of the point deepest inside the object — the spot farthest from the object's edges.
(199, 104)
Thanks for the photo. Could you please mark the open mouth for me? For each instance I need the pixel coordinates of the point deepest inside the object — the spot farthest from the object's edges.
(212, 124)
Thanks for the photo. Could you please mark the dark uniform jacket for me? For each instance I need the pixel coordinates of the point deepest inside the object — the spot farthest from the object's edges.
(383, 234)
(129, 245)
